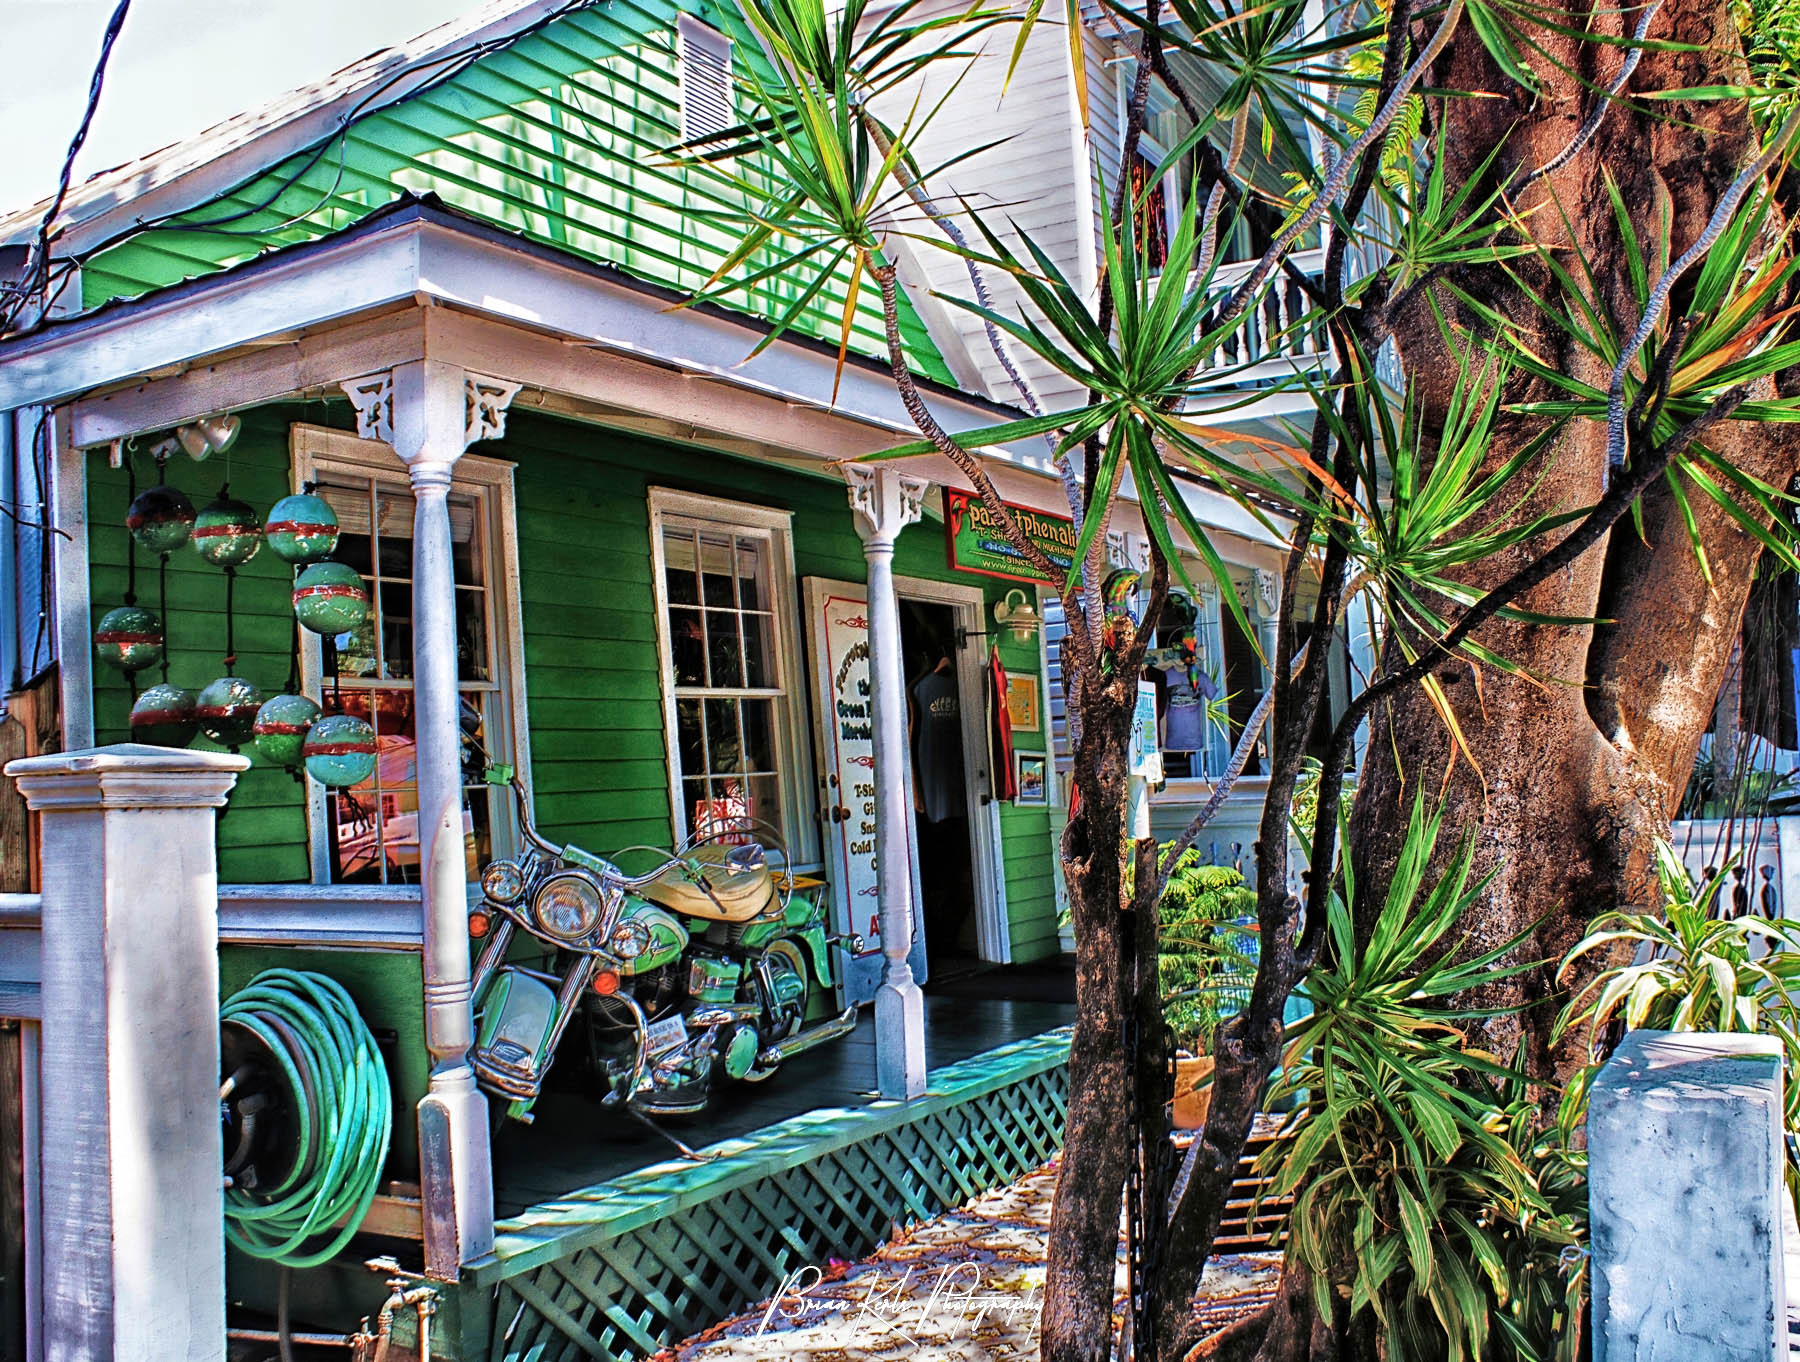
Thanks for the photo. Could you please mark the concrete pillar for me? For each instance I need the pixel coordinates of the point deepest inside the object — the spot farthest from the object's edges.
(132, 1181)
(430, 412)
(885, 502)
(1685, 1192)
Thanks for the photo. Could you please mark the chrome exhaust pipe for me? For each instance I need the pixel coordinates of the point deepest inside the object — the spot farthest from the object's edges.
(841, 1025)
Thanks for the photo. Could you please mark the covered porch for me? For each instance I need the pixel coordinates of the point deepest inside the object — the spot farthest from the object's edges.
(418, 334)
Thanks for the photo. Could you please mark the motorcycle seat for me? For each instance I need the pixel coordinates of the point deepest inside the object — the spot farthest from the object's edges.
(716, 882)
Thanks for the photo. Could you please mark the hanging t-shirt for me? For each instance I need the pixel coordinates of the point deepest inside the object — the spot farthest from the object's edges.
(937, 747)
(1000, 748)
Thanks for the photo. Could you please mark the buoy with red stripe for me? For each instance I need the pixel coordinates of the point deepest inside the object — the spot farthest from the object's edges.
(227, 533)
(330, 598)
(129, 638)
(301, 529)
(160, 519)
(227, 710)
(340, 751)
(163, 716)
(281, 727)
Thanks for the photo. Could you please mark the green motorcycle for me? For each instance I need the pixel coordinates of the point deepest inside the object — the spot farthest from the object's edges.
(712, 966)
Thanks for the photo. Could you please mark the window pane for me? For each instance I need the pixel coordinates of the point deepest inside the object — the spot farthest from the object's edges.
(752, 560)
(758, 717)
(471, 635)
(715, 569)
(764, 806)
(678, 567)
(396, 630)
(356, 650)
(393, 531)
(760, 672)
(468, 549)
(690, 737)
(687, 647)
(722, 743)
(724, 649)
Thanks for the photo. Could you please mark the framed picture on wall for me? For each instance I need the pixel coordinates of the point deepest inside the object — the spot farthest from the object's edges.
(1034, 780)
(1022, 702)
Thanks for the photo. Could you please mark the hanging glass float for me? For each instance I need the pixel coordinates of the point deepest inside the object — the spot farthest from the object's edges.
(227, 710)
(301, 528)
(129, 638)
(281, 726)
(227, 533)
(340, 751)
(160, 519)
(164, 716)
(330, 598)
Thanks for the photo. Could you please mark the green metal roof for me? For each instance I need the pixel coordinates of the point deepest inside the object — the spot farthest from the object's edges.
(561, 134)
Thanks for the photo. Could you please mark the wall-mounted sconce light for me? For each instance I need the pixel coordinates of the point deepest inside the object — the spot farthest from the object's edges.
(1018, 613)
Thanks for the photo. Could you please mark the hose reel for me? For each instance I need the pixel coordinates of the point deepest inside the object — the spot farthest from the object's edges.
(307, 1115)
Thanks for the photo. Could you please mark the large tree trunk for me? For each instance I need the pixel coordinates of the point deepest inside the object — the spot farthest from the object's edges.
(1571, 770)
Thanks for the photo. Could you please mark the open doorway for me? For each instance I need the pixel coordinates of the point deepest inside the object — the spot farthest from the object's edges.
(936, 734)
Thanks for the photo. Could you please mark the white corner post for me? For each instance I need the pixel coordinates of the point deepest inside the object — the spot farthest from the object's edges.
(885, 502)
(1686, 1200)
(133, 1208)
(430, 412)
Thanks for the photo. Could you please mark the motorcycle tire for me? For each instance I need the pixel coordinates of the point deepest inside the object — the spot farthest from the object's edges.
(794, 951)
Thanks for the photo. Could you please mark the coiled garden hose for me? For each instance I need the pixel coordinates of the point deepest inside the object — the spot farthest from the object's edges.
(337, 1090)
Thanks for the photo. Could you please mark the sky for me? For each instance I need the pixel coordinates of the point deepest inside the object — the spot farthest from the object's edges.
(178, 67)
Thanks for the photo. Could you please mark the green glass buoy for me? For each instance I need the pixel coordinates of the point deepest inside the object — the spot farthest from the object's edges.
(340, 751)
(301, 528)
(129, 638)
(163, 716)
(227, 710)
(160, 519)
(281, 726)
(330, 598)
(227, 533)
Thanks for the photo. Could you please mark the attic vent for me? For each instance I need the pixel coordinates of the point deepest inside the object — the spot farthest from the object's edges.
(705, 80)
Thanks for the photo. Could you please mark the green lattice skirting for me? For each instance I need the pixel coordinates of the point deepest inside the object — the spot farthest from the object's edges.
(622, 1269)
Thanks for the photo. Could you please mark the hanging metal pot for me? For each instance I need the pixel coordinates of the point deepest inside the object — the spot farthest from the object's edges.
(160, 519)
(163, 716)
(301, 528)
(227, 710)
(129, 638)
(330, 598)
(227, 533)
(281, 727)
(340, 751)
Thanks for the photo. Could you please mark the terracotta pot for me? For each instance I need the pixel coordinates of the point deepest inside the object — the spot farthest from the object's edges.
(1193, 1092)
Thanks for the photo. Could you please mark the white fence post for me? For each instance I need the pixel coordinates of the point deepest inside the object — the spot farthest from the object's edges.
(134, 1249)
(1685, 1191)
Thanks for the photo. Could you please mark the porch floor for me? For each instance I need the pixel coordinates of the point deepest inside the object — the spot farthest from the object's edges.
(575, 1142)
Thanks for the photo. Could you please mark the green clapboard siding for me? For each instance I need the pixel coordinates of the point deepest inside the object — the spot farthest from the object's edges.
(262, 835)
(563, 136)
(598, 759)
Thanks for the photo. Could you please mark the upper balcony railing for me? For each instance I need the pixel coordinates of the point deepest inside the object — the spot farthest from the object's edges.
(1279, 337)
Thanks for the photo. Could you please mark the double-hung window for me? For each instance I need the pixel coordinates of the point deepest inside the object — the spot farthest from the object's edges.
(725, 632)
(369, 833)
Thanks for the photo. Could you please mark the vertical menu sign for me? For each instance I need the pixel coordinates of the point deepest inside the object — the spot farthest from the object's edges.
(838, 615)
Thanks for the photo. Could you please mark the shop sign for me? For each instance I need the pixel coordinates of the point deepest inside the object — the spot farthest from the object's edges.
(978, 545)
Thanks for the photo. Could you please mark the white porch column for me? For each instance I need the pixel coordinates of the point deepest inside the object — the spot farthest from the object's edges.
(132, 1182)
(885, 502)
(430, 412)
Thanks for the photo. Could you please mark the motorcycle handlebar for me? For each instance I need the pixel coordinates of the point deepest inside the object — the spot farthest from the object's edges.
(533, 836)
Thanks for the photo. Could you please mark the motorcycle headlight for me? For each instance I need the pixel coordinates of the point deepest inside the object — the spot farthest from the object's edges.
(503, 881)
(568, 906)
(629, 940)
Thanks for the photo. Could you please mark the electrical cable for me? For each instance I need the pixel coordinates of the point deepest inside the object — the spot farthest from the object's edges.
(342, 1108)
(36, 274)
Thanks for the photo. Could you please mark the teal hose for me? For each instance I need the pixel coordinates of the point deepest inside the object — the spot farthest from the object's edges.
(338, 1088)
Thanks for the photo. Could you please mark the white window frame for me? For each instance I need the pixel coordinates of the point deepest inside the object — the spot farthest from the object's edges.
(793, 758)
(316, 449)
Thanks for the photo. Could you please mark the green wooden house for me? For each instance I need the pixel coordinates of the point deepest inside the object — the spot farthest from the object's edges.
(443, 289)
